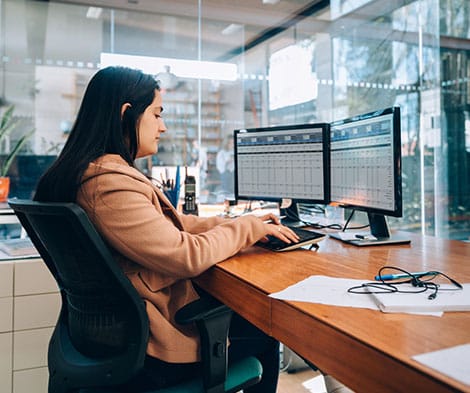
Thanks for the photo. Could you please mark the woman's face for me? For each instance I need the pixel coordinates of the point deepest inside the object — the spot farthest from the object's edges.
(149, 127)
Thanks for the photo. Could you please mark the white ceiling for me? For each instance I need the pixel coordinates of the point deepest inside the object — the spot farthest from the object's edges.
(252, 12)
(254, 16)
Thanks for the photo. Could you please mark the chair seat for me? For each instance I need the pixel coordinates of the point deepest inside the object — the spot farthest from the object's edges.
(243, 373)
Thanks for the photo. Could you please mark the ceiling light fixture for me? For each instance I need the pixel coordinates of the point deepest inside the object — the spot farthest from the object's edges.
(232, 29)
(94, 12)
(180, 67)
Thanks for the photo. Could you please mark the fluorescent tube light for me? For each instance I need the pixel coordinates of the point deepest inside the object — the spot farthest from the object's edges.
(232, 29)
(94, 12)
(180, 67)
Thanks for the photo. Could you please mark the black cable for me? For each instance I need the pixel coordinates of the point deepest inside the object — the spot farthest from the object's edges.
(311, 208)
(419, 283)
(349, 219)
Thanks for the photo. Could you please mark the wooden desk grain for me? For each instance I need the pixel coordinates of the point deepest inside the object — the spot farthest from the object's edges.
(367, 350)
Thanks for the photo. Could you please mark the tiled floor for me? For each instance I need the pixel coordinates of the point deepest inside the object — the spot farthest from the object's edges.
(296, 376)
(302, 381)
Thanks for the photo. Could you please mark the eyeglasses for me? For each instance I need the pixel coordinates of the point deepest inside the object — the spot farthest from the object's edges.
(389, 279)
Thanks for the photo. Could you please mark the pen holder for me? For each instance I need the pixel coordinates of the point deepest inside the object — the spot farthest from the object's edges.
(173, 195)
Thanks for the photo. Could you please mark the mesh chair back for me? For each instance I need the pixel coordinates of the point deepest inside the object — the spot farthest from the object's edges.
(102, 332)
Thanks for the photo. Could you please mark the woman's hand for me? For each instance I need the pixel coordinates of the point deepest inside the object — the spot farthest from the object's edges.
(274, 228)
(271, 217)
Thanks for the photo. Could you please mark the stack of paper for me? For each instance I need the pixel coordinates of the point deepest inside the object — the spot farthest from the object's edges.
(18, 247)
(448, 298)
(334, 291)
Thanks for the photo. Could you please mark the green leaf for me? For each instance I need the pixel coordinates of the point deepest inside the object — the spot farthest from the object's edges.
(11, 156)
(7, 123)
(6, 118)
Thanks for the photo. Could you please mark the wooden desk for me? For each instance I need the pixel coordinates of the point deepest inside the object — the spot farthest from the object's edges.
(367, 350)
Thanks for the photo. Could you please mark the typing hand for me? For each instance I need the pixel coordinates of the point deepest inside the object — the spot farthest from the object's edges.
(281, 232)
(270, 218)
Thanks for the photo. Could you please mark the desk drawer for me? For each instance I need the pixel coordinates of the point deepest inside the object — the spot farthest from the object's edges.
(6, 347)
(30, 348)
(6, 279)
(6, 314)
(33, 277)
(36, 311)
(33, 380)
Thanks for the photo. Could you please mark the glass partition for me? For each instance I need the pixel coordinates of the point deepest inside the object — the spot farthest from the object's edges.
(295, 62)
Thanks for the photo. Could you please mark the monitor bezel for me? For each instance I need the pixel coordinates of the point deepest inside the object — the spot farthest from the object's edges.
(325, 127)
(397, 162)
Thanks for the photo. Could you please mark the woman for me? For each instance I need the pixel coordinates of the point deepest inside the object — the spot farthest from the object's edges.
(160, 250)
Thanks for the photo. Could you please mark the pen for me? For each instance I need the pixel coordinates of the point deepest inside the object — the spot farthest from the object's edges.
(386, 277)
(366, 237)
(270, 221)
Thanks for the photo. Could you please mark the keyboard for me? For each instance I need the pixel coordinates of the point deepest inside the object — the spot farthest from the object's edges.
(306, 238)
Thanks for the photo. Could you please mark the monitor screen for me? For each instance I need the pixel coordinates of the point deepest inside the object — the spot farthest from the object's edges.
(365, 174)
(283, 162)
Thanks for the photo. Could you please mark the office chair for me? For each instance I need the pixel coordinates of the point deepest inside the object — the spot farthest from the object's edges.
(100, 340)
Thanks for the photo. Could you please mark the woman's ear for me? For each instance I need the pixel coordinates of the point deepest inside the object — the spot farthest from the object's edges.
(124, 107)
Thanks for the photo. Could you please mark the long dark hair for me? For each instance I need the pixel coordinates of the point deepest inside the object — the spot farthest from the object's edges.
(99, 129)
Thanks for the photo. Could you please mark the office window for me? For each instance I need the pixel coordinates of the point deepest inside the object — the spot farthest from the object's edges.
(358, 55)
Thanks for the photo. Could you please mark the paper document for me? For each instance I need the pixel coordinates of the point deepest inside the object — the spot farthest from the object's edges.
(446, 300)
(17, 248)
(334, 291)
(454, 362)
(326, 290)
(348, 236)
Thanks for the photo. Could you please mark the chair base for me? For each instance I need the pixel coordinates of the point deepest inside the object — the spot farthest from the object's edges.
(240, 375)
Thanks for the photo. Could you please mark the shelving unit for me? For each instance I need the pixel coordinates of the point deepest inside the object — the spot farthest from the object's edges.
(180, 145)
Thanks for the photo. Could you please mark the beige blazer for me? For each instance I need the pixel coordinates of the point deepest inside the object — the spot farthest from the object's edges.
(159, 249)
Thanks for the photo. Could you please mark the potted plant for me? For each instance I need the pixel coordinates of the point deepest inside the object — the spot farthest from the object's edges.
(7, 124)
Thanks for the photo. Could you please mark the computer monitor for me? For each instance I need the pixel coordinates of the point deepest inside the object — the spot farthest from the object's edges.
(365, 170)
(283, 162)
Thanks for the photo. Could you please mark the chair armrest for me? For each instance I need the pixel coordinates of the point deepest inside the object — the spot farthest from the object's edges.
(204, 308)
(213, 321)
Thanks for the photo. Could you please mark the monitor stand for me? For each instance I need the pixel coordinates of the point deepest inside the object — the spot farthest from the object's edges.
(379, 234)
(290, 215)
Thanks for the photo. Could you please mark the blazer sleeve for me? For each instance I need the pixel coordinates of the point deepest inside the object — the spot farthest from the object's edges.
(127, 212)
(195, 224)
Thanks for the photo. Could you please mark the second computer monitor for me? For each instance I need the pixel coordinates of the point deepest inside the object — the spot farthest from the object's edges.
(282, 162)
(365, 175)
(366, 162)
